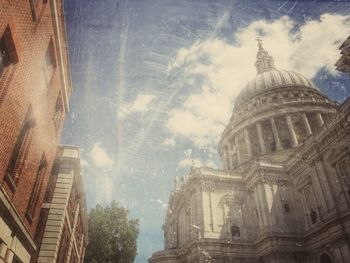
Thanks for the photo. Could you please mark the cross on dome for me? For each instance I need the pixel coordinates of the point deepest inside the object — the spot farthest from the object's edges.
(259, 40)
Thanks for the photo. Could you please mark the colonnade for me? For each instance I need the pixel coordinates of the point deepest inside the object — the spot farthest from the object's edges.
(240, 148)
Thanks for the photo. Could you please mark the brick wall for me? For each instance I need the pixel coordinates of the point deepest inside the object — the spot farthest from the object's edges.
(23, 84)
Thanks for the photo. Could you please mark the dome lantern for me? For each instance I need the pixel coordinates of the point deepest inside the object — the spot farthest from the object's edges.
(264, 62)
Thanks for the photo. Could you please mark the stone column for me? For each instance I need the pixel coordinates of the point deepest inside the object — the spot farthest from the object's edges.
(248, 143)
(263, 204)
(291, 130)
(275, 134)
(226, 158)
(324, 184)
(230, 156)
(210, 189)
(261, 138)
(237, 149)
(259, 209)
(320, 120)
(306, 123)
(306, 209)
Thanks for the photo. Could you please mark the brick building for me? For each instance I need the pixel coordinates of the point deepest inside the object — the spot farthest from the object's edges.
(63, 220)
(35, 87)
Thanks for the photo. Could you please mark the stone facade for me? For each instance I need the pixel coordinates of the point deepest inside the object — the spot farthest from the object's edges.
(63, 221)
(284, 193)
(35, 88)
(343, 63)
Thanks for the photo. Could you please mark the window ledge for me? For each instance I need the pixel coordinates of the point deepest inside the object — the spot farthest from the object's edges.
(11, 183)
(29, 217)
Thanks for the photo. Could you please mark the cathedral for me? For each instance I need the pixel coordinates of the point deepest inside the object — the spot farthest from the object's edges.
(283, 195)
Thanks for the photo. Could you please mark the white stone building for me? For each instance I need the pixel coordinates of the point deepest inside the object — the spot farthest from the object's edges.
(63, 224)
(284, 192)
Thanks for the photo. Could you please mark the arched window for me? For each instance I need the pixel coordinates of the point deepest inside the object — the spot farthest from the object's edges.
(325, 258)
(235, 232)
(313, 217)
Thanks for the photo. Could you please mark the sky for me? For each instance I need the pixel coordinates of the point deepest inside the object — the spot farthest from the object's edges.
(154, 83)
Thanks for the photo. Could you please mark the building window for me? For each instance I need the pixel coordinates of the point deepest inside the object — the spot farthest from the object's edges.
(286, 143)
(8, 53)
(33, 201)
(3, 56)
(16, 259)
(235, 232)
(300, 130)
(52, 182)
(273, 146)
(343, 170)
(14, 167)
(49, 63)
(57, 117)
(283, 131)
(286, 208)
(313, 217)
(314, 125)
(325, 258)
(268, 136)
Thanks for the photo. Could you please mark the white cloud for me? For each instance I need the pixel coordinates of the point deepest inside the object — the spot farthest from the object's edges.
(211, 163)
(100, 156)
(103, 189)
(186, 163)
(218, 70)
(84, 163)
(170, 142)
(140, 104)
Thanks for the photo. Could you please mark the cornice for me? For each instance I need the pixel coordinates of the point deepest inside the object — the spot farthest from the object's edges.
(273, 110)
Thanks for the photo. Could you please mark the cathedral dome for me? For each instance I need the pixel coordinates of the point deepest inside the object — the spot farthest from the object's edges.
(271, 79)
(276, 112)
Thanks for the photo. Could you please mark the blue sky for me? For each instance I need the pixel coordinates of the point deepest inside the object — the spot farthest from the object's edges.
(155, 81)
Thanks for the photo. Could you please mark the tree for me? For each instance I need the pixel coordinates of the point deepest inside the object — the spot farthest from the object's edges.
(112, 236)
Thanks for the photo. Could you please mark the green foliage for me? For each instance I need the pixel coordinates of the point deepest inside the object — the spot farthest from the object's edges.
(112, 236)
